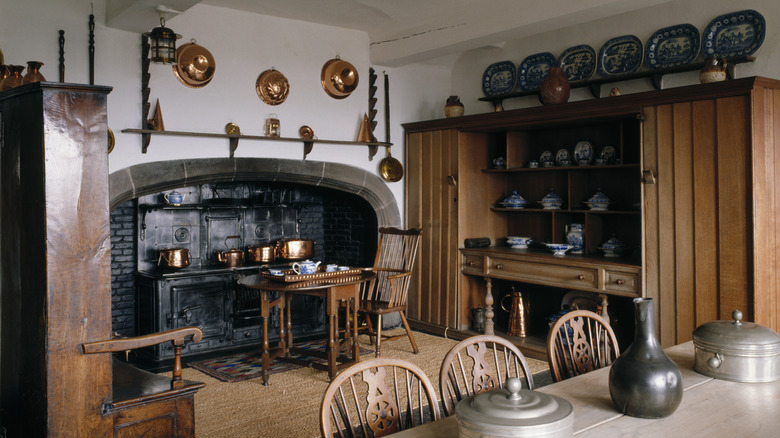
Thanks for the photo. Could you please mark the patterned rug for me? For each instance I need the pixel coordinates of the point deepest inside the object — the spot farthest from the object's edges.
(248, 365)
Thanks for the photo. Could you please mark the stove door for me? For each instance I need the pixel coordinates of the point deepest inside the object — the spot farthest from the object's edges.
(202, 305)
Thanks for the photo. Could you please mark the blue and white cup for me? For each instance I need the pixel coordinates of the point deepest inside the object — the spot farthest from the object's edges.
(275, 271)
(331, 267)
(343, 268)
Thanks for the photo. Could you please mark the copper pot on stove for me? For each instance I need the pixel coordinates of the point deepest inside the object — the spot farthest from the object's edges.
(173, 258)
(264, 253)
(295, 249)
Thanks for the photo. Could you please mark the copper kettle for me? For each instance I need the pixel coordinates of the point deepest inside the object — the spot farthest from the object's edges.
(518, 314)
(232, 258)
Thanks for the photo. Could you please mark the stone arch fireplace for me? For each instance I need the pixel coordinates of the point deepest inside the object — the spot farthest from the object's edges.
(129, 186)
(147, 178)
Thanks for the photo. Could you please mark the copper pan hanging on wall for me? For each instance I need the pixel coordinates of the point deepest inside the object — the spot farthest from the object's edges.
(339, 78)
(391, 169)
(194, 65)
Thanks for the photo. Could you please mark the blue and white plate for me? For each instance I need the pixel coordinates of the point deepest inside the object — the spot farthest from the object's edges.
(499, 79)
(583, 152)
(562, 157)
(672, 46)
(608, 154)
(546, 156)
(735, 34)
(532, 71)
(619, 56)
(578, 63)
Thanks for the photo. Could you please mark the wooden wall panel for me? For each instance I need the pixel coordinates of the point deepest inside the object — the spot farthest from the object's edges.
(734, 205)
(650, 206)
(667, 296)
(705, 212)
(413, 212)
(684, 162)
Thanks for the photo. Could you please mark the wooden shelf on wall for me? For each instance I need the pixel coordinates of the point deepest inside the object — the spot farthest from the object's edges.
(594, 85)
(308, 144)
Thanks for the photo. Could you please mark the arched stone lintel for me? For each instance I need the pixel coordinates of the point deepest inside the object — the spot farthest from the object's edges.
(147, 178)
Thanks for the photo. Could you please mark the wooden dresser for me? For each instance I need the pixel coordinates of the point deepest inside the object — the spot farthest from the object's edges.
(695, 196)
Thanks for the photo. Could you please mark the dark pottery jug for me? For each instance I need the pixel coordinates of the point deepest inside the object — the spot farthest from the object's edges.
(33, 72)
(555, 88)
(643, 381)
(453, 107)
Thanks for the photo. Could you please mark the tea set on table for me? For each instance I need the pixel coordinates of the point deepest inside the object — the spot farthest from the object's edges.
(307, 267)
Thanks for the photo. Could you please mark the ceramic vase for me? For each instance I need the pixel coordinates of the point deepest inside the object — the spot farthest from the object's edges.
(643, 381)
(575, 238)
(453, 108)
(555, 87)
(14, 77)
(33, 72)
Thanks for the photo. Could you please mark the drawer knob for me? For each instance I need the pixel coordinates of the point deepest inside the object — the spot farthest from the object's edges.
(619, 281)
(580, 277)
(471, 264)
(499, 266)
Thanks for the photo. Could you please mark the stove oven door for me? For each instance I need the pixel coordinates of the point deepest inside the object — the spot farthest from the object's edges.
(201, 303)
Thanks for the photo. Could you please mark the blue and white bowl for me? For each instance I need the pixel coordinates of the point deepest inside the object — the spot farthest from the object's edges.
(559, 249)
(551, 201)
(514, 201)
(612, 247)
(519, 242)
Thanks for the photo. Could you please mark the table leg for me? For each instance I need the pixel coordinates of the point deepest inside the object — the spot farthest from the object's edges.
(282, 326)
(288, 297)
(333, 334)
(355, 305)
(264, 312)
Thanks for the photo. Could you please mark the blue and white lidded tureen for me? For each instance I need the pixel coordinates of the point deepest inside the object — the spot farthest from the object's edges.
(612, 247)
(551, 201)
(518, 242)
(598, 202)
(514, 201)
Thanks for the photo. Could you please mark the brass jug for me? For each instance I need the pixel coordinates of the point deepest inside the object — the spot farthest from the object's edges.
(518, 314)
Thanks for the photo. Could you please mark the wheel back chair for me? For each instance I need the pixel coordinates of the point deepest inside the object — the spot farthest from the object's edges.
(478, 364)
(579, 342)
(377, 397)
(388, 292)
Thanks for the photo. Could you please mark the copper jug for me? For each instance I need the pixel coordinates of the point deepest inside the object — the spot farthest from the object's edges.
(518, 314)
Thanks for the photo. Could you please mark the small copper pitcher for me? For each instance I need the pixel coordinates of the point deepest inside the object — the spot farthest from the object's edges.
(518, 314)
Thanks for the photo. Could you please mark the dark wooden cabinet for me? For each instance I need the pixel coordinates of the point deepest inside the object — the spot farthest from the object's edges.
(696, 190)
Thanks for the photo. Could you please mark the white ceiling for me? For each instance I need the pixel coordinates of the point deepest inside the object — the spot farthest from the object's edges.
(405, 31)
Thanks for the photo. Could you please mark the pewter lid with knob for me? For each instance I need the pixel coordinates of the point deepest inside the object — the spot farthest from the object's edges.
(514, 411)
(737, 334)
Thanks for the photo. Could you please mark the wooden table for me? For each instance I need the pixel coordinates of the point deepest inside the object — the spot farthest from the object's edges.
(335, 291)
(709, 408)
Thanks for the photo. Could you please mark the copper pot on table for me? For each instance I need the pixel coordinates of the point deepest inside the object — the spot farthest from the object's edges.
(264, 253)
(295, 249)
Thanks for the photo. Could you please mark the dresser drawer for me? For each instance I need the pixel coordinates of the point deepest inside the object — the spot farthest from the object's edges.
(544, 273)
(473, 264)
(622, 282)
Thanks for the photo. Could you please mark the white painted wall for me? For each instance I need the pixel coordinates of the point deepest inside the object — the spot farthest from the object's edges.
(243, 45)
(468, 69)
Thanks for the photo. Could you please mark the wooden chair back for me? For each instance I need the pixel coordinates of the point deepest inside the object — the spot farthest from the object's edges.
(579, 342)
(395, 257)
(377, 397)
(478, 364)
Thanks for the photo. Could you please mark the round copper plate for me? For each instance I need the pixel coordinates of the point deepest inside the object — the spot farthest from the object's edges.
(232, 129)
(272, 87)
(111, 140)
(194, 65)
(339, 78)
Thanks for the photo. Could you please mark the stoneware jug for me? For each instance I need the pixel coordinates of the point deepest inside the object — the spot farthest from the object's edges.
(714, 70)
(453, 107)
(643, 381)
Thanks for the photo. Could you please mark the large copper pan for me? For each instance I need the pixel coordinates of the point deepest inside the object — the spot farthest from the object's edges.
(265, 253)
(295, 249)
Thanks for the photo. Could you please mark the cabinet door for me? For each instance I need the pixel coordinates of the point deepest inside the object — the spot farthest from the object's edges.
(431, 197)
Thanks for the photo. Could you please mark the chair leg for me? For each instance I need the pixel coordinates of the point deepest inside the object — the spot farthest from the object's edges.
(409, 332)
(370, 329)
(378, 334)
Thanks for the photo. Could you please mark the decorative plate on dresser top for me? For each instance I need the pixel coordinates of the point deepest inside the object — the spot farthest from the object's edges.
(532, 71)
(735, 34)
(672, 46)
(619, 56)
(578, 63)
(499, 79)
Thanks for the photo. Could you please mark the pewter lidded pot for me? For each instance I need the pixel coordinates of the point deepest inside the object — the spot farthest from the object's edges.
(514, 412)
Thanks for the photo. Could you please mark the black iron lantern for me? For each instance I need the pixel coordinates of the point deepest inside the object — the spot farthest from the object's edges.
(162, 44)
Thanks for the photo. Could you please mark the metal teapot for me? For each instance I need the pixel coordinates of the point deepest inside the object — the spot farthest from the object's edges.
(232, 258)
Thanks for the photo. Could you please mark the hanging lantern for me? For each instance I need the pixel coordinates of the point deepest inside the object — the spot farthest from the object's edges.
(162, 44)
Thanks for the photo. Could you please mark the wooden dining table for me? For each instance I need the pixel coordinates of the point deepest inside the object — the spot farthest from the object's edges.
(338, 291)
(709, 408)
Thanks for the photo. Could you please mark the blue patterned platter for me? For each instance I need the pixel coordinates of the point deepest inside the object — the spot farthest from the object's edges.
(735, 34)
(672, 46)
(619, 56)
(499, 79)
(578, 63)
(532, 71)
